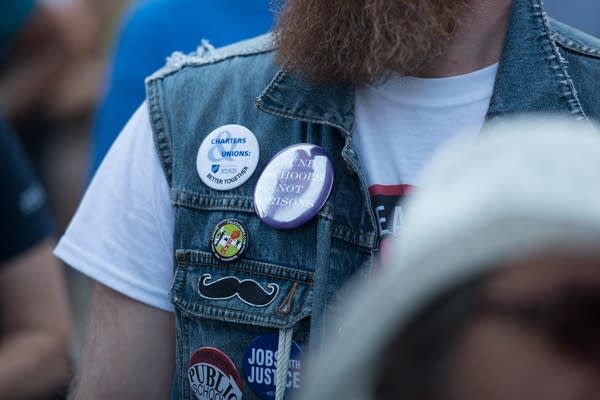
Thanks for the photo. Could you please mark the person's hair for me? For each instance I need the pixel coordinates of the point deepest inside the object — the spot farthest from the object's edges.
(417, 358)
(363, 41)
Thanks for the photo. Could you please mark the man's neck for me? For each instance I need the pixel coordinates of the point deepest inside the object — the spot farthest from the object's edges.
(478, 41)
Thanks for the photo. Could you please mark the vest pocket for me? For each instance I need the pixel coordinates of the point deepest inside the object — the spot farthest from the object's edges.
(224, 307)
(241, 292)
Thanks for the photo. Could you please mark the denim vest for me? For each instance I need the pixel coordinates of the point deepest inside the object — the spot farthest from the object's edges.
(545, 67)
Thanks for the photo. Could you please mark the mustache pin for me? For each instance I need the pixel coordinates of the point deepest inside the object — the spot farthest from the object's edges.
(248, 290)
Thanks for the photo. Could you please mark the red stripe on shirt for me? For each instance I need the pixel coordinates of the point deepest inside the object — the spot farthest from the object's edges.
(390, 190)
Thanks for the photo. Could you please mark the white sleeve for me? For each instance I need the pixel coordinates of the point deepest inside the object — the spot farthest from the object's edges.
(122, 232)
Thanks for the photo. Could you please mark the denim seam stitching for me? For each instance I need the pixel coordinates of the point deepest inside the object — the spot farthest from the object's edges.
(575, 45)
(265, 274)
(178, 61)
(306, 276)
(297, 116)
(163, 145)
(558, 66)
(213, 311)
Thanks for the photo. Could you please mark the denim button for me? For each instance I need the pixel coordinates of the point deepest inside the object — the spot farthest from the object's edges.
(229, 240)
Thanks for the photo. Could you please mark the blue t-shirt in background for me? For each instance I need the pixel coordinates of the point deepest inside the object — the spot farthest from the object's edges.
(150, 32)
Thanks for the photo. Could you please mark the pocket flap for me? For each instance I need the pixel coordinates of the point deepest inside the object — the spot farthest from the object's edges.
(245, 291)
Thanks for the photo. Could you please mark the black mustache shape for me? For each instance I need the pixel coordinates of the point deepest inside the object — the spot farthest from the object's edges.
(247, 290)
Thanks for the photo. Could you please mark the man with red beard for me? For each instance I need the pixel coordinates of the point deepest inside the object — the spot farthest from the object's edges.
(304, 143)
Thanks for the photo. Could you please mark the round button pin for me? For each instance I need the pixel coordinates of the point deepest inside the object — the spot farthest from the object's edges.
(260, 366)
(212, 375)
(294, 186)
(227, 157)
(229, 240)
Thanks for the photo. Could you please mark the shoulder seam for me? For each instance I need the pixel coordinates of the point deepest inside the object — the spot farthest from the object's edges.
(206, 55)
(575, 45)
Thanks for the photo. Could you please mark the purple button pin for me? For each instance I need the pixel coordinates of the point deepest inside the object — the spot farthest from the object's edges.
(294, 186)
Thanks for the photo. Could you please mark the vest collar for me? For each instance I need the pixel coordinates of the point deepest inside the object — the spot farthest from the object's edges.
(290, 96)
(532, 77)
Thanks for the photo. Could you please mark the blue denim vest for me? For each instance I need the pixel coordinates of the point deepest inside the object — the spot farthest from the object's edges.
(545, 67)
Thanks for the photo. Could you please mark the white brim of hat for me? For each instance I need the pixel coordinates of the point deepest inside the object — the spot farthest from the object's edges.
(523, 186)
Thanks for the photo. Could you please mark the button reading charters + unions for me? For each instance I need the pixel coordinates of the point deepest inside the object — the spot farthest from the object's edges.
(227, 157)
(294, 186)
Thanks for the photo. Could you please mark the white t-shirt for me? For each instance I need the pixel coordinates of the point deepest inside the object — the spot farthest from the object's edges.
(122, 232)
(400, 125)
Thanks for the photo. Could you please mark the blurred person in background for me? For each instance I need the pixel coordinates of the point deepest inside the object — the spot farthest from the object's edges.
(50, 54)
(197, 252)
(45, 45)
(492, 294)
(35, 324)
(39, 37)
(167, 25)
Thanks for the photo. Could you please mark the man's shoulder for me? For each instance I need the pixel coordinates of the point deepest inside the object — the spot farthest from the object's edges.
(574, 40)
(248, 52)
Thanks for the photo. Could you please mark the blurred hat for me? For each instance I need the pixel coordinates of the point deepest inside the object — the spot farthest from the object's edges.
(524, 185)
